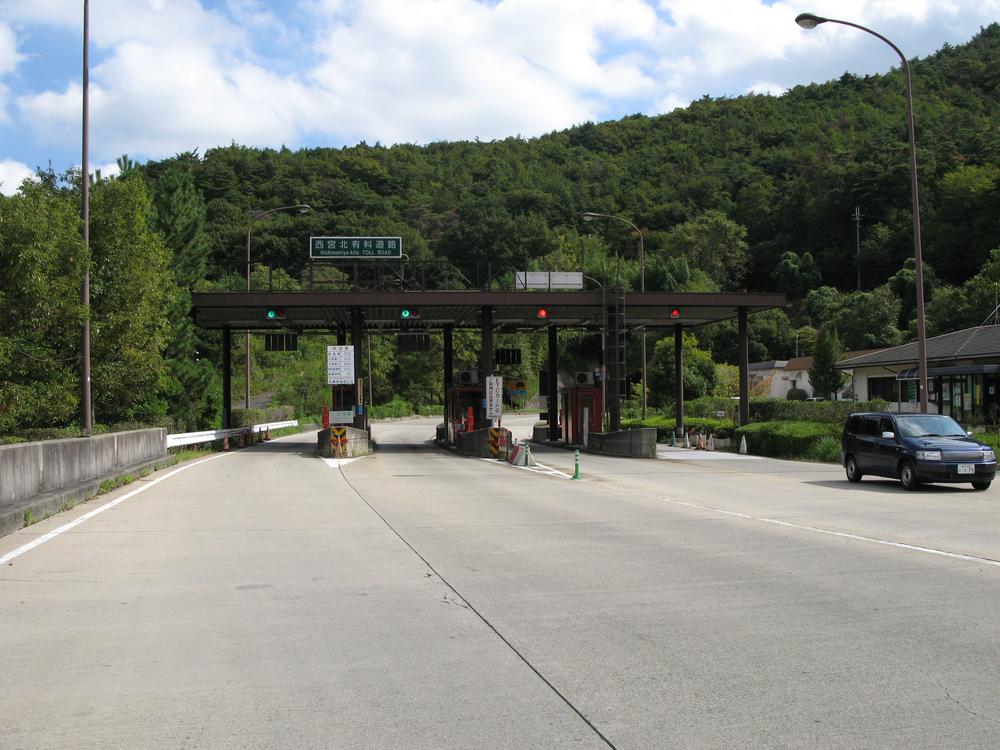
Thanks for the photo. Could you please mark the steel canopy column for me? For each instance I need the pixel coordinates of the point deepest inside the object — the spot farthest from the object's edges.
(744, 365)
(485, 356)
(486, 350)
(553, 418)
(449, 369)
(357, 340)
(679, 370)
(227, 378)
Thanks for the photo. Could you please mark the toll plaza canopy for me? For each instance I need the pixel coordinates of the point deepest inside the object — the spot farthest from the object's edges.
(511, 310)
(614, 312)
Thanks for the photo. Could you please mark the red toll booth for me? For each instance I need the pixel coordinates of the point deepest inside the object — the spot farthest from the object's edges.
(460, 398)
(582, 409)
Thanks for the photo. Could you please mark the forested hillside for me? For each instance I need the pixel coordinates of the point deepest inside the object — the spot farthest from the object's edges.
(753, 192)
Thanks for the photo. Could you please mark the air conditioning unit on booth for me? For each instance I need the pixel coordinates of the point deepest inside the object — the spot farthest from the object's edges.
(468, 377)
(584, 378)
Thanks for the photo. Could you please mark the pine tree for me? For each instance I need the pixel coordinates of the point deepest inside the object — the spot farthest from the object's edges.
(824, 378)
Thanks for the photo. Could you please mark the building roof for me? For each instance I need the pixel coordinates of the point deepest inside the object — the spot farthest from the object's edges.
(799, 363)
(970, 343)
(773, 364)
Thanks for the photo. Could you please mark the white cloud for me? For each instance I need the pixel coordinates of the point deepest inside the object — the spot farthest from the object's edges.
(12, 174)
(171, 75)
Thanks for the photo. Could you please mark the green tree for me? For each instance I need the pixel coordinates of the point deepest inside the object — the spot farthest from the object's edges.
(191, 386)
(713, 243)
(867, 320)
(824, 378)
(41, 317)
(131, 284)
(699, 371)
(797, 275)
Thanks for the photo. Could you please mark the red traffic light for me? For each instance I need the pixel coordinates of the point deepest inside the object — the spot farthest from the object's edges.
(675, 312)
(542, 312)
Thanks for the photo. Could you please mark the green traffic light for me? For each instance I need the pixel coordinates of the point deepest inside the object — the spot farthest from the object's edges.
(404, 313)
(272, 314)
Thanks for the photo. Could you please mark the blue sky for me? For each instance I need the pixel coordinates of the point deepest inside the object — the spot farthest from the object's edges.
(174, 75)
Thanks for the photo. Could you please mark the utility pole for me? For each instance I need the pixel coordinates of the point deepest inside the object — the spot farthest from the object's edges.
(85, 396)
(857, 241)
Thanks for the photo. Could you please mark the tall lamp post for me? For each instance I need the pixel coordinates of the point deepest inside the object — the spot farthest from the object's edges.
(811, 21)
(85, 220)
(590, 216)
(300, 208)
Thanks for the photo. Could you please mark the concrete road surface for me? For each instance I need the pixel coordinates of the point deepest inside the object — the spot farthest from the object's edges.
(418, 599)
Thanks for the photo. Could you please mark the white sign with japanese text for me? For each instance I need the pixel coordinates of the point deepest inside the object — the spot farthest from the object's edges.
(340, 365)
(494, 397)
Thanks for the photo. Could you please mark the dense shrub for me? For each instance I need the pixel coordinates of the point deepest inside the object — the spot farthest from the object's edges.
(796, 394)
(826, 449)
(830, 412)
(785, 439)
(397, 408)
(665, 426)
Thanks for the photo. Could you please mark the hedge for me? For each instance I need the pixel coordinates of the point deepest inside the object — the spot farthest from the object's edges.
(665, 426)
(774, 409)
(785, 439)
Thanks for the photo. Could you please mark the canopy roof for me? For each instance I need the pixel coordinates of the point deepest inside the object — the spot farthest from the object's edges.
(513, 310)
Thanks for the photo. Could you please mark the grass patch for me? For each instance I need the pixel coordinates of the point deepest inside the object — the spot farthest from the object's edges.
(826, 450)
(29, 518)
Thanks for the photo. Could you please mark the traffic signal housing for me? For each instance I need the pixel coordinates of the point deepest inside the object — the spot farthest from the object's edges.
(275, 313)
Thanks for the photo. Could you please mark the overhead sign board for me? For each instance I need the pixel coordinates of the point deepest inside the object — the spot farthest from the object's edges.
(372, 248)
(340, 365)
(494, 397)
(548, 279)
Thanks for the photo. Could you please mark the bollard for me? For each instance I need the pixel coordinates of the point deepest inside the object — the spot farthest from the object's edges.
(743, 445)
(576, 474)
(267, 435)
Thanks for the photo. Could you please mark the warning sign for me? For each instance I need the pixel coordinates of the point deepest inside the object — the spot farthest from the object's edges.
(494, 397)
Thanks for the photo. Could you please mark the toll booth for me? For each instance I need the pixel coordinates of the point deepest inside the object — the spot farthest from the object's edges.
(459, 400)
(582, 412)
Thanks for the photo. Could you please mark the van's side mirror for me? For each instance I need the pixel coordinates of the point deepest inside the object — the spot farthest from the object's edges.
(969, 433)
(888, 435)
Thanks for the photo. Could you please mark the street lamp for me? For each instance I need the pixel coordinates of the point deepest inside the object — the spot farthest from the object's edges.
(811, 21)
(300, 208)
(590, 216)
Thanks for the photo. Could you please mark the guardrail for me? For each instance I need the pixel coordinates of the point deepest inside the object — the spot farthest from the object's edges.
(209, 436)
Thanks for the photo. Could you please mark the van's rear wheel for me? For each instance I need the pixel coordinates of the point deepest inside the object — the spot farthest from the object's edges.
(908, 476)
(853, 472)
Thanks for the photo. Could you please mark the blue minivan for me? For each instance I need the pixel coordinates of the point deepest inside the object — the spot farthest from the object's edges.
(915, 448)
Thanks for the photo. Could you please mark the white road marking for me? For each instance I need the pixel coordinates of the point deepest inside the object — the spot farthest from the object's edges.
(107, 506)
(841, 534)
(336, 463)
(537, 468)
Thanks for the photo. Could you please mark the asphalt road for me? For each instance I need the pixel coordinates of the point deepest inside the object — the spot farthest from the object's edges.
(418, 599)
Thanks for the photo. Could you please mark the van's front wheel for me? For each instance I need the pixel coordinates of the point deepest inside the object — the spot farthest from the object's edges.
(908, 476)
(853, 472)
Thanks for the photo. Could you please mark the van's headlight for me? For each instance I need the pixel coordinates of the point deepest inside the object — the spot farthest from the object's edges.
(989, 455)
(928, 455)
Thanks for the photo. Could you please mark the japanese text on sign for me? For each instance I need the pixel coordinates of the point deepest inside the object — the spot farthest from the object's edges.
(340, 365)
(494, 397)
(355, 247)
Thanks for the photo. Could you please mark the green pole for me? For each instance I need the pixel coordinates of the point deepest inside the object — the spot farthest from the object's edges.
(576, 474)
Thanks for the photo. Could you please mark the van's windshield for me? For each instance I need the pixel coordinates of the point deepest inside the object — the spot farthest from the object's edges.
(929, 425)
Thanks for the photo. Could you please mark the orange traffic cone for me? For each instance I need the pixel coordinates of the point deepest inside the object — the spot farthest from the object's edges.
(225, 443)
(241, 441)
(267, 435)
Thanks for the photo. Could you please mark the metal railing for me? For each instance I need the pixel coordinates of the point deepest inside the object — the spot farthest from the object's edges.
(210, 436)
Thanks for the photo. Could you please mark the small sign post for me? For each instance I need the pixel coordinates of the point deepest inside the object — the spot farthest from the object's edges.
(494, 397)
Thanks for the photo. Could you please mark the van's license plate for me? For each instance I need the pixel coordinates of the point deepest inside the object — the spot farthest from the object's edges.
(966, 468)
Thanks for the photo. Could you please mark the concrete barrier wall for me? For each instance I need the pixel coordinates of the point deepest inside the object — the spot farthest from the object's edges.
(70, 469)
(357, 442)
(636, 443)
(477, 443)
